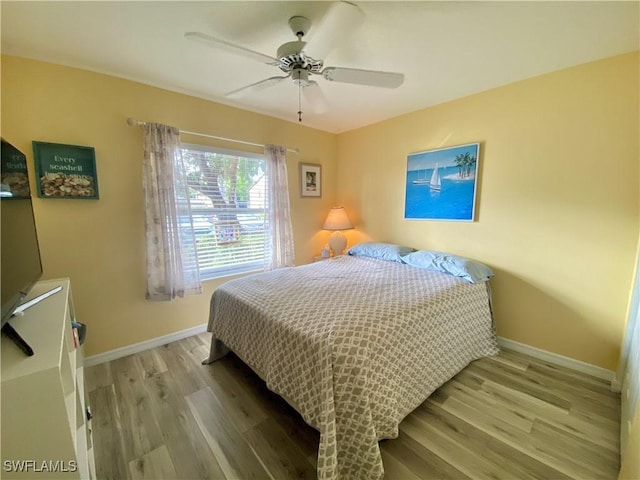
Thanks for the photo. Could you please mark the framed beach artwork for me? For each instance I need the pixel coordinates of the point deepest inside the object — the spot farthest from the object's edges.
(441, 184)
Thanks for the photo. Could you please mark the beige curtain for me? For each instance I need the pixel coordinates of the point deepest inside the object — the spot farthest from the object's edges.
(279, 250)
(172, 266)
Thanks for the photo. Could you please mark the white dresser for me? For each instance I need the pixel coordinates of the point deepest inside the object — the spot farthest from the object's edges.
(46, 425)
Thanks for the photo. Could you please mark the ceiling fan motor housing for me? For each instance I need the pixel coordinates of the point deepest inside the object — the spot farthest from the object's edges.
(291, 57)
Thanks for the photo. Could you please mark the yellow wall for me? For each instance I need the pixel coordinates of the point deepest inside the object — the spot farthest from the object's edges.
(557, 206)
(99, 244)
(557, 215)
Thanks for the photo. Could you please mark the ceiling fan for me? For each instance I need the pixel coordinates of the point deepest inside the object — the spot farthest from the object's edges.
(300, 60)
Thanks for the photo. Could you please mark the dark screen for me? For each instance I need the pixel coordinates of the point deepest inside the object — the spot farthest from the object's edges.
(21, 266)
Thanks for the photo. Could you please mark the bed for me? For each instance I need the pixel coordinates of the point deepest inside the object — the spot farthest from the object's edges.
(354, 344)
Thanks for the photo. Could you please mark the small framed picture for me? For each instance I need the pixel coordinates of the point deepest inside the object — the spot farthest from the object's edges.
(227, 232)
(65, 171)
(310, 180)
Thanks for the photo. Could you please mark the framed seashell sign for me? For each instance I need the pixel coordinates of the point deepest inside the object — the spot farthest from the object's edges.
(65, 171)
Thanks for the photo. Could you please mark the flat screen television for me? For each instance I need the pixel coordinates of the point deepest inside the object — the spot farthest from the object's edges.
(21, 264)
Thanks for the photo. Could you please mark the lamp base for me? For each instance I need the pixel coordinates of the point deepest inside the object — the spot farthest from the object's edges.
(337, 242)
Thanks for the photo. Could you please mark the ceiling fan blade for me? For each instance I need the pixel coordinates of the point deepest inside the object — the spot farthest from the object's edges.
(256, 87)
(314, 96)
(341, 21)
(230, 47)
(372, 78)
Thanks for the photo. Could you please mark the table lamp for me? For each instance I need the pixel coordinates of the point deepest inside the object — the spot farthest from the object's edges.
(337, 220)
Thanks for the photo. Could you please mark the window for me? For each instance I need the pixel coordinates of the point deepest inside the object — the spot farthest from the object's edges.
(227, 196)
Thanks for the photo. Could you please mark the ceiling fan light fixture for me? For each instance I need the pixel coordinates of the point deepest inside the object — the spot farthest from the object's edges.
(300, 77)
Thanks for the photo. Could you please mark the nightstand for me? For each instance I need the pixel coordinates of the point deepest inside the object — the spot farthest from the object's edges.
(319, 258)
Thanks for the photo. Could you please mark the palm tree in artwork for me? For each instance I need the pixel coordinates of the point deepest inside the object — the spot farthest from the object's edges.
(465, 163)
(459, 161)
(470, 163)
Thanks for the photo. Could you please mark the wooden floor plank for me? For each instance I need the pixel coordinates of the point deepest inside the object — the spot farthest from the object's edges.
(514, 382)
(242, 407)
(606, 436)
(537, 448)
(177, 359)
(516, 416)
(603, 463)
(556, 370)
(234, 455)
(417, 459)
(508, 417)
(513, 397)
(154, 465)
(98, 376)
(575, 378)
(109, 445)
(495, 450)
(195, 348)
(141, 431)
(151, 362)
(467, 457)
(204, 338)
(512, 359)
(277, 452)
(608, 405)
(185, 442)
(306, 437)
(395, 469)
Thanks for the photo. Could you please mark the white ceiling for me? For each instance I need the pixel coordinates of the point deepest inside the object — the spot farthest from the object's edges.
(445, 49)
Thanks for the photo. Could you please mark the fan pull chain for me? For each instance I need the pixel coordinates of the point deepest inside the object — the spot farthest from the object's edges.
(299, 103)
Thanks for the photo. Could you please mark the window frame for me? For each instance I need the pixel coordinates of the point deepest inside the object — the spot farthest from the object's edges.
(213, 273)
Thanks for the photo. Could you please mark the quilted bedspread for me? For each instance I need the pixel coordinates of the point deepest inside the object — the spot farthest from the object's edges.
(354, 345)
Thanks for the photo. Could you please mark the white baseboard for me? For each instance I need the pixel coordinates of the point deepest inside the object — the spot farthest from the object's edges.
(142, 346)
(616, 385)
(534, 352)
(560, 360)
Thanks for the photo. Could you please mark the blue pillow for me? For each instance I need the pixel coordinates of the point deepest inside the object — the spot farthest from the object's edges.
(381, 251)
(466, 268)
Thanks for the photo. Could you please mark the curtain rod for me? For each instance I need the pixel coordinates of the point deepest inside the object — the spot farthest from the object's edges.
(132, 122)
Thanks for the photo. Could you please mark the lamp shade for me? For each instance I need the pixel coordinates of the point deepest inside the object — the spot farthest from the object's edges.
(337, 220)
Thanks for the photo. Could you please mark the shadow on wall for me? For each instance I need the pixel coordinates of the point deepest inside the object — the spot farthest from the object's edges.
(539, 319)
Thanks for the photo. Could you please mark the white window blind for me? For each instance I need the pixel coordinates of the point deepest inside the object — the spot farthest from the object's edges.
(228, 200)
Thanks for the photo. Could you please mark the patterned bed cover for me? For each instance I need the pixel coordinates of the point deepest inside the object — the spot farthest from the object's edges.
(354, 345)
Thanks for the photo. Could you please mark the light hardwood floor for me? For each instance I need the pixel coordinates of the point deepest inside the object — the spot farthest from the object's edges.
(160, 414)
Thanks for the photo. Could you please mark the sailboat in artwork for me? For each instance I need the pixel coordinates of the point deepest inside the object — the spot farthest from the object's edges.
(434, 183)
(421, 181)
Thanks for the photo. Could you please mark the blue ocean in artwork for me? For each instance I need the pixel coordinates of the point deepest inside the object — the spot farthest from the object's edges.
(447, 194)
